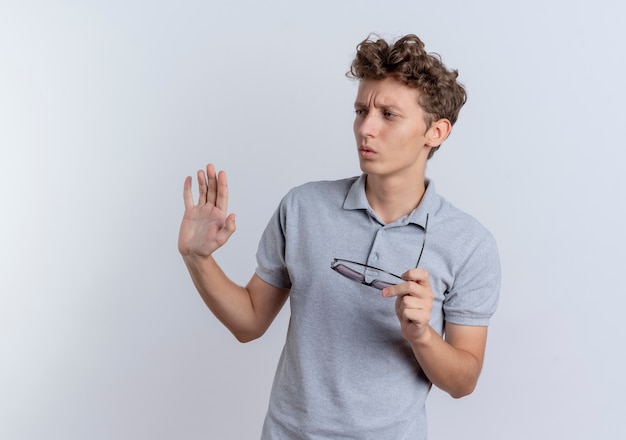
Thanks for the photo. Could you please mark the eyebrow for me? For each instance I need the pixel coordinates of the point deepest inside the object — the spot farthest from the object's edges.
(394, 108)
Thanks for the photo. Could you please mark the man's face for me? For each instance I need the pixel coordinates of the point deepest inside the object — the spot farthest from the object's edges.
(389, 128)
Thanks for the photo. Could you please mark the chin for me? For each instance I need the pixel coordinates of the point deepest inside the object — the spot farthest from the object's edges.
(369, 167)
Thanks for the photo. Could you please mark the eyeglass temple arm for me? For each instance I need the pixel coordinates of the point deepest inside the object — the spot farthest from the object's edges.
(423, 241)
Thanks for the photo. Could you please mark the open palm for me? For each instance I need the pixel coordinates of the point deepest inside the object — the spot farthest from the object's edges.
(206, 226)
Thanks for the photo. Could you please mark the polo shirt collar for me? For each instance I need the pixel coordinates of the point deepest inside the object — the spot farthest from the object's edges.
(356, 199)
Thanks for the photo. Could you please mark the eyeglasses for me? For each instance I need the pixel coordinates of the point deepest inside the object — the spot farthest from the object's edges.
(358, 272)
(379, 278)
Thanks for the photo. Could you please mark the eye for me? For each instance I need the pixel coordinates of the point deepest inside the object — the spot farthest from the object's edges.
(360, 111)
(389, 115)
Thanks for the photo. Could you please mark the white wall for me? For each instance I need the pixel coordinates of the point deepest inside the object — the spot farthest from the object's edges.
(105, 107)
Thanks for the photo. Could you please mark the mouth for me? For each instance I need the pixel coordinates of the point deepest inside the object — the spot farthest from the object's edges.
(366, 152)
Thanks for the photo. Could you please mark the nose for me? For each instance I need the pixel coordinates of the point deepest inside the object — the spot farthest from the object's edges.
(367, 125)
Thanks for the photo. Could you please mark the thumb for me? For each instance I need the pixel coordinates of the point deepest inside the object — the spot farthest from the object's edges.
(227, 230)
(229, 224)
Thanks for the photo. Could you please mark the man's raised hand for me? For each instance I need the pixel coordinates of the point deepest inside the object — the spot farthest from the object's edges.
(206, 225)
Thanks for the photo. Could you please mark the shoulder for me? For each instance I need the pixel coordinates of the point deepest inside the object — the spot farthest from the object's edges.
(464, 237)
(455, 221)
(448, 219)
(319, 191)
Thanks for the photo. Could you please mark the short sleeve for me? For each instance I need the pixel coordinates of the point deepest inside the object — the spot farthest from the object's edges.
(473, 297)
(270, 256)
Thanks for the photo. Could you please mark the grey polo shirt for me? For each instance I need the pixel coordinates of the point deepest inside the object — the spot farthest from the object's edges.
(345, 370)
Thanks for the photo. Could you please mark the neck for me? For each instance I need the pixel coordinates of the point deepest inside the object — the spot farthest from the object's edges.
(393, 198)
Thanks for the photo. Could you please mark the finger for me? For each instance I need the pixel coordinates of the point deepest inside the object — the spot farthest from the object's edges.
(229, 224)
(211, 184)
(420, 276)
(411, 288)
(397, 290)
(202, 188)
(408, 303)
(228, 229)
(413, 309)
(221, 201)
(187, 194)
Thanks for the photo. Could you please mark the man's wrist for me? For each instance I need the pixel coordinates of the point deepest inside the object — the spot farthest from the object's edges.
(425, 338)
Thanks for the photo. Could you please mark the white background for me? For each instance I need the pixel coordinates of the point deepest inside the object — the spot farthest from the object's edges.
(106, 106)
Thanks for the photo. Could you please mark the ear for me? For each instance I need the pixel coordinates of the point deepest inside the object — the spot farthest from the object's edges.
(438, 132)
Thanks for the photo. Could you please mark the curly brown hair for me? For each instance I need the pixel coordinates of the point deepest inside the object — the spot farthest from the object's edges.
(441, 95)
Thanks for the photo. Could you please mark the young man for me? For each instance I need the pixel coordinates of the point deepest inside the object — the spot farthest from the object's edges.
(363, 345)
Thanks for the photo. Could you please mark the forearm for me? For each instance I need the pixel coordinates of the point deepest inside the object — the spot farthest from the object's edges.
(229, 302)
(451, 369)
(246, 311)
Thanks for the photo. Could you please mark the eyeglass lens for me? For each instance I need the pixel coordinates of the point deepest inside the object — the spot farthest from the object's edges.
(359, 277)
